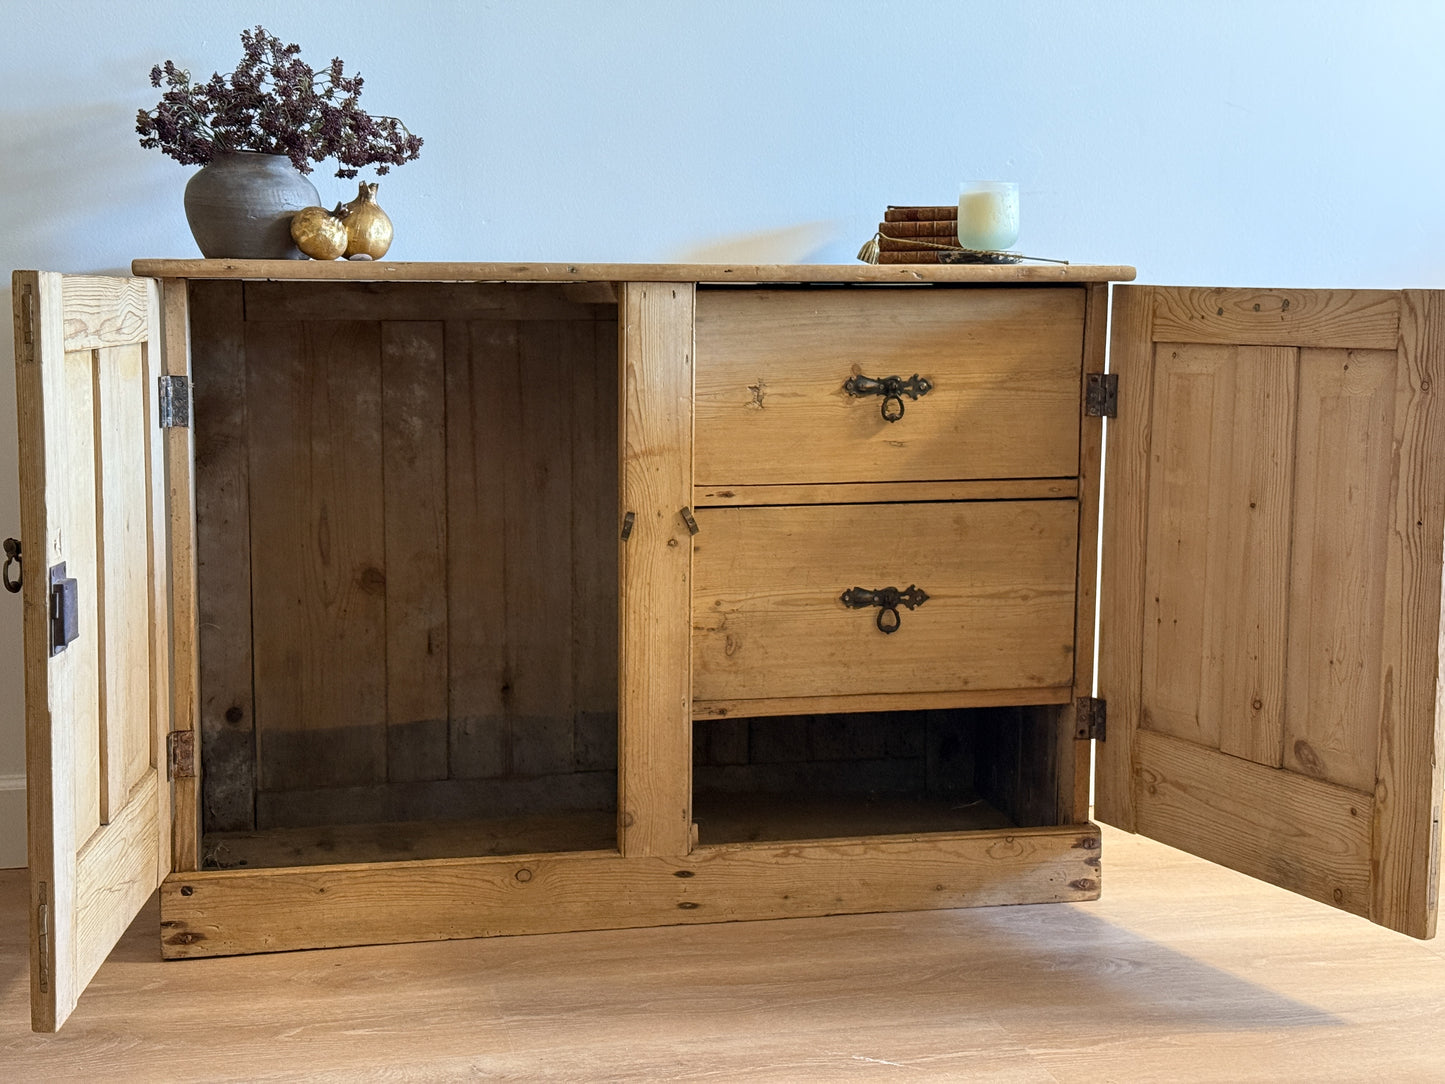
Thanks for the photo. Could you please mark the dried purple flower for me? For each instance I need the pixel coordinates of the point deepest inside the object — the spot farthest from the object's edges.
(273, 103)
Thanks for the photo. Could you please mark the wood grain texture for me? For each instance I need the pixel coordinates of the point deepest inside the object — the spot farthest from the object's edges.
(768, 620)
(1339, 564)
(893, 701)
(1219, 546)
(594, 502)
(1361, 319)
(1410, 773)
(1126, 525)
(183, 617)
(428, 301)
(223, 556)
(317, 547)
(93, 709)
(1258, 534)
(886, 492)
(655, 591)
(124, 570)
(482, 392)
(210, 914)
(1357, 525)
(390, 270)
(1004, 367)
(1308, 836)
(1187, 584)
(414, 487)
(101, 311)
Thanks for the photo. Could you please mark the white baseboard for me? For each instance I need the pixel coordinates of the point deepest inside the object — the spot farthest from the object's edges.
(12, 821)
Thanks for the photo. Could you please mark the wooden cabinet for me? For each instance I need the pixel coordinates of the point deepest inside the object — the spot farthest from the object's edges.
(482, 599)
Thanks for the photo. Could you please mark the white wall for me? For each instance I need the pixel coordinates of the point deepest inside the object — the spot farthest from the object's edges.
(1213, 143)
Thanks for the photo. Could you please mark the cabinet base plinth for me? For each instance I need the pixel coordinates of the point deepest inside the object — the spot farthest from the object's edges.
(229, 912)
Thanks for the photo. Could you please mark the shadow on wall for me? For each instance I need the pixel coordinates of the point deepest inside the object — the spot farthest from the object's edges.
(790, 244)
(74, 185)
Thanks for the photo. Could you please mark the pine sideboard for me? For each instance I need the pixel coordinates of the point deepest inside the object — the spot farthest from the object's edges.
(384, 602)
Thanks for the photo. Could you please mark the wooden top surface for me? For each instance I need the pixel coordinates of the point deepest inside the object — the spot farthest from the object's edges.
(390, 270)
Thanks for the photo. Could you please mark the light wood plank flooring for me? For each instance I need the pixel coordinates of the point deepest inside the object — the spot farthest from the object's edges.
(1182, 972)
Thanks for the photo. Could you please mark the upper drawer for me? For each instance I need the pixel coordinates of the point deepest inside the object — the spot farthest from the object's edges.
(1005, 366)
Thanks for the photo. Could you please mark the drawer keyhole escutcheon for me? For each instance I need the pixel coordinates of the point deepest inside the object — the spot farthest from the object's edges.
(887, 599)
(892, 388)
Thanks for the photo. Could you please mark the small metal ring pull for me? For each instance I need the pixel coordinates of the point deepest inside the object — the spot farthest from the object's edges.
(887, 599)
(12, 557)
(892, 388)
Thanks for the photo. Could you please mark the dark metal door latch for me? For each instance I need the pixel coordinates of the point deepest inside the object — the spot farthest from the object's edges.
(892, 388)
(888, 599)
(12, 557)
(64, 609)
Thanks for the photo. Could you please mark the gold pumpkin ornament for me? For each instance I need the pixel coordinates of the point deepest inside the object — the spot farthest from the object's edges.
(318, 233)
(368, 229)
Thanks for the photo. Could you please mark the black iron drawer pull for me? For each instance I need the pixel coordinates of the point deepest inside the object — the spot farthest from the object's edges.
(892, 388)
(888, 599)
(12, 557)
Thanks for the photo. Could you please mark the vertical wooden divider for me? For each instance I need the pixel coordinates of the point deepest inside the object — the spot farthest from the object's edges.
(181, 499)
(654, 762)
(1131, 355)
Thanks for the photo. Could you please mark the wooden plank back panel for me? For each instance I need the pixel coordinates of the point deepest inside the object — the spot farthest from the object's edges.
(537, 585)
(223, 556)
(414, 482)
(481, 390)
(1004, 365)
(317, 553)
(594, 541)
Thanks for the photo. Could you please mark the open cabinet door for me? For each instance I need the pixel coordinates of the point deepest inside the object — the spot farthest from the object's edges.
(1270, 623)
(97, 642)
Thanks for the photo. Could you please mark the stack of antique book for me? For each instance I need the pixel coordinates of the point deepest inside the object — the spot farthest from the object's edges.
(917, 234)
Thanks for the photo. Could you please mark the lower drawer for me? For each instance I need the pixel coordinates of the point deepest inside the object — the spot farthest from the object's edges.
(770, 621)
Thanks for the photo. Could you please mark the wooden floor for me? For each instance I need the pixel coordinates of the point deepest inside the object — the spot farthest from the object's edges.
(1182, 972)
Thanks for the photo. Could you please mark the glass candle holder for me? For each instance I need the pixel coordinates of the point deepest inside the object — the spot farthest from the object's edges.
(988, 215)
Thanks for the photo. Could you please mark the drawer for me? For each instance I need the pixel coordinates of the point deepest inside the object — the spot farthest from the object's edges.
(769, 620)
(1005, 367)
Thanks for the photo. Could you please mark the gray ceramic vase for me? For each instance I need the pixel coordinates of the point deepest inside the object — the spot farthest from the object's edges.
(240, 205)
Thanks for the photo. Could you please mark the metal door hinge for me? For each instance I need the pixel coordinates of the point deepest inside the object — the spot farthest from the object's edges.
(181, 754)
(64, 610)
(1090, 714)
(175, 400)
(1101, 395)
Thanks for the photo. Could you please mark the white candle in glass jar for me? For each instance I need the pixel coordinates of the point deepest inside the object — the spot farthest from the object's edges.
(988, 215)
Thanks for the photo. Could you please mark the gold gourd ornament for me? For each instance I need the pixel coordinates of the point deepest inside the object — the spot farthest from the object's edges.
(368, 229)
(319, 233)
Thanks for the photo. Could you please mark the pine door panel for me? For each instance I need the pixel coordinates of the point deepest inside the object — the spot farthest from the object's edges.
(93, 485)
(1271, 607)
